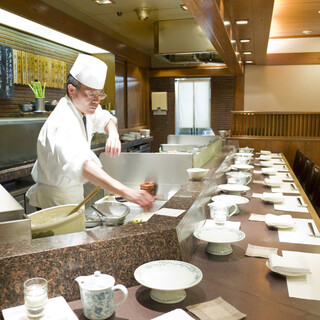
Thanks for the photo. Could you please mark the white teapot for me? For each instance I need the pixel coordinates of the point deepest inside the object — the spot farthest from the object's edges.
(97, 295)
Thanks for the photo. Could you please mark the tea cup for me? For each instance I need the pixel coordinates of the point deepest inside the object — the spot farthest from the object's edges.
(221, 211)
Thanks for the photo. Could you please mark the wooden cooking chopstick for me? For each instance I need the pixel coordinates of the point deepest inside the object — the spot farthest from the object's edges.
(86, 199)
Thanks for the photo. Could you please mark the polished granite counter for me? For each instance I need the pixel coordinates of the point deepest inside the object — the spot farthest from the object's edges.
(112, 250)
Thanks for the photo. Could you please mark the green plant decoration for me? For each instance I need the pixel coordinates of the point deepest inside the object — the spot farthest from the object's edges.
(38, 91)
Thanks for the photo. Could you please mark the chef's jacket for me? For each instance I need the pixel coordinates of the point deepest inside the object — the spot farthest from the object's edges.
(63, 147)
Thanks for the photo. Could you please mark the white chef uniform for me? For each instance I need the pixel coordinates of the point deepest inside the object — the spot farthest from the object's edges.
(63, 147)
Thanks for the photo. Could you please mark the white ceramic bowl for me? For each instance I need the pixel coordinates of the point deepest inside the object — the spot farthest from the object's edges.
(197, 173)
(114, 213)
(53, 221)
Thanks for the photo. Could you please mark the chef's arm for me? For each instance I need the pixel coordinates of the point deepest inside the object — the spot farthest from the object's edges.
(113, 144)
(99, 177)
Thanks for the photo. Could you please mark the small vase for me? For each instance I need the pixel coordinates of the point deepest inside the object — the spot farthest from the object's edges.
(39, 107)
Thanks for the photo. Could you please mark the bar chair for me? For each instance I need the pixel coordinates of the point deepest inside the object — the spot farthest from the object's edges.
(306, 172)
(299, 164)
(313, 183)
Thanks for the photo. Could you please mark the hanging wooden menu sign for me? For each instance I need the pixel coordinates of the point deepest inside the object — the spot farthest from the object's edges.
(6, 72)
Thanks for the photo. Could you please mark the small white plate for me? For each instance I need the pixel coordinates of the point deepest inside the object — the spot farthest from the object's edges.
(241, 167)
(231, 198)
(289, 274)
(233, 188)
(219, 239)
(168, 279)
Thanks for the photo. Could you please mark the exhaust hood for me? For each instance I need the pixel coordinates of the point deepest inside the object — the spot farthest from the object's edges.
(183, 42)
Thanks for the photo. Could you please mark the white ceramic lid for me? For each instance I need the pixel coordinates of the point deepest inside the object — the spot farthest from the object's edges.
(97, 281)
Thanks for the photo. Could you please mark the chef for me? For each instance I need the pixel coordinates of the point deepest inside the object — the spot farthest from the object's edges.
(65, 159)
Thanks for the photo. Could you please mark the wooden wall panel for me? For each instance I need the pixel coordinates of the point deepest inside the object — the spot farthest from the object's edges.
(121, 95)
(136, 102)
(288, 146)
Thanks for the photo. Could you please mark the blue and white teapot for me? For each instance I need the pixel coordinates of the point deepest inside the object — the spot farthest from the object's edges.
(97, 295)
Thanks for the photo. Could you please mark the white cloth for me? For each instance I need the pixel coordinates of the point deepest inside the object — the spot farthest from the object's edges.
(288, 264)
(63, 147)
(284, 220)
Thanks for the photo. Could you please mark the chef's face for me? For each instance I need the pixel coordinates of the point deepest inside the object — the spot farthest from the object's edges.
(84, 98)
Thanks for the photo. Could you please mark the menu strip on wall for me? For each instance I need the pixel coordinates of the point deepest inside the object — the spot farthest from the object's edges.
(6, 72)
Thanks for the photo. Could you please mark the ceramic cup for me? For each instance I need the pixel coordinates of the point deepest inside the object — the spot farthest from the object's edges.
(242, 160)
(97, 295)
(35, 297)
(221, 211)
(242, 178)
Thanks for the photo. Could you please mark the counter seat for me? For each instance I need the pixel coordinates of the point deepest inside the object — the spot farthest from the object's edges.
(113, 250)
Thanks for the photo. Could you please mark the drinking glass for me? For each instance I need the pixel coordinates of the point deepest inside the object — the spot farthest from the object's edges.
(35, 297)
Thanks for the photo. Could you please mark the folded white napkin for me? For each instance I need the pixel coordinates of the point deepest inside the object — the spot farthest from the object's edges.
(288, 264)
(269, 170)
(274, 197)
(266, 163)
(265, 157)
(284, 220)
(265, 152)
(257, 217)
(273, 182)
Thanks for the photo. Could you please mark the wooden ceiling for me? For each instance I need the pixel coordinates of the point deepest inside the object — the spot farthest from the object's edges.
(118, 29)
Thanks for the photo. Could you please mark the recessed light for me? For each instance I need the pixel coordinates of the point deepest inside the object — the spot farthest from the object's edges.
(103, 1)
(237, 53)
(226, 23)
(244, 40)
(242, 21)
(183, 7)
(306, 31)
(247, 52)
(233, 41)
(249, 61)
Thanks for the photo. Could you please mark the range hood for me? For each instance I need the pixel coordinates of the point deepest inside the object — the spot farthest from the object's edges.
(183, 42)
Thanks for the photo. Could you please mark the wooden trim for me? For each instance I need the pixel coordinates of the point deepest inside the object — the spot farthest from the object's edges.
(207, 15)
(189, 72)
(46, 15)
(293, 58)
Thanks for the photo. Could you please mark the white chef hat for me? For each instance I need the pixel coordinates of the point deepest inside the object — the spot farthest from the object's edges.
(90, 71)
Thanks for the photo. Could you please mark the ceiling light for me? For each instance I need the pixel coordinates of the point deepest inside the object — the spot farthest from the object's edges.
(306, 31)
(247, 52)
(237, 53)
(244, 40)
(103, 1)
(183, 7)
(226, 23)
(249, 61)
(143, 13)
(19, 23)
(233, 41)
(242, 21)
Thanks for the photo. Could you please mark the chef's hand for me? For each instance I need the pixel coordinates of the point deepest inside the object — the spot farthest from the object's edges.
(141, 197)
(113, 145)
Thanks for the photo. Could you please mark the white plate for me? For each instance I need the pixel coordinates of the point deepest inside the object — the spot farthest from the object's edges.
(168, 279)
(238, 188)
(231, 198)
(219, 235)
(289, 274)
(244, 167)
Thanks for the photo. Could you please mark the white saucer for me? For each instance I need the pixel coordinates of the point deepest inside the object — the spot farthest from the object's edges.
(241, 167)
(219, 239)
(231, 198)
(289, 274)
(168, 279)
(233, 188)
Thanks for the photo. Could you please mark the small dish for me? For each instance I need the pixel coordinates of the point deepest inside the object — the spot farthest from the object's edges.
(219, 239)
(197, 174)
(230, 198)
(289, 274)
(234, 189)
(241, 167)
(168, 279)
